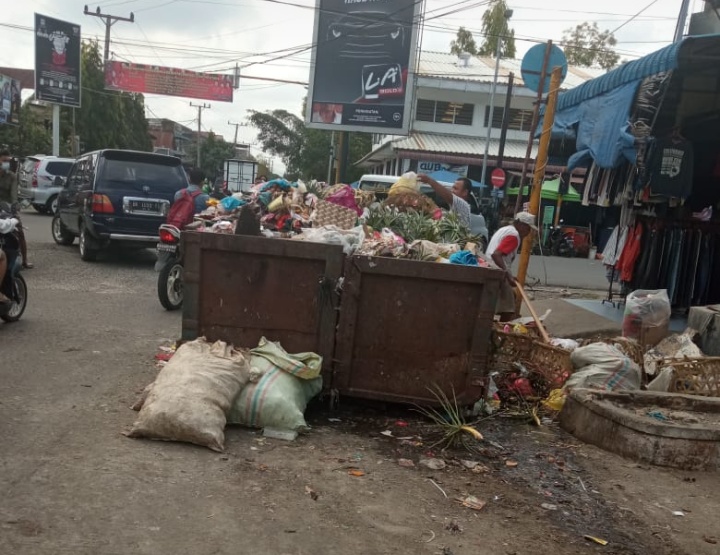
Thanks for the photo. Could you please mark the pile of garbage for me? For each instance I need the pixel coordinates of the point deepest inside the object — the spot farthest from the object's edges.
(407, 224)
(204, 386)
(530, 374)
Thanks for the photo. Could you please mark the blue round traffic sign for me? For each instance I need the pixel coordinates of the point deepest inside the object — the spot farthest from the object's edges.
(532, 63)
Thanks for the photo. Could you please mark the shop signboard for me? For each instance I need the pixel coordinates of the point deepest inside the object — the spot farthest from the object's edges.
(10, 100)
(363, 65)
(57, 61)
(168, 81)
(425, 166)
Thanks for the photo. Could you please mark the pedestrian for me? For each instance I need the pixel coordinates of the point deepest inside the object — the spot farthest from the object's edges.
(459, 198)
(9, 194)
(502, 249)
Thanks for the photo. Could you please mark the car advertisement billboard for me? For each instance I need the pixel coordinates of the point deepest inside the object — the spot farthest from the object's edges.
(168, 81)
(10, 100)
(363, 65)
(57, 61)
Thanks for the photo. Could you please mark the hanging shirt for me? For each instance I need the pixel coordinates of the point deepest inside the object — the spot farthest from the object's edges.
(614, 246)
(671, 167)
(506, 241)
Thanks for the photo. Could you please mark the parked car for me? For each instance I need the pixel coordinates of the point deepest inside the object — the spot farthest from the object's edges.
(116, 197)
(37, 181)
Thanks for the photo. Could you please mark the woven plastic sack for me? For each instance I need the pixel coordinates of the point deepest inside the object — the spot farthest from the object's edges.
(277, 401)
(345, 197)
(603, 366)
(192, 395)
(327, 214)
(301, 365)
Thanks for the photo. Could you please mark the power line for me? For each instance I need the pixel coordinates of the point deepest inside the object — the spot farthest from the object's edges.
(651, 4)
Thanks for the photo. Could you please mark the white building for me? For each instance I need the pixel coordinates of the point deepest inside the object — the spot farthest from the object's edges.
(450, 115)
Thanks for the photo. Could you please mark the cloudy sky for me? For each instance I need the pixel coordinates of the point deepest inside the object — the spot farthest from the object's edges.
(213, 35)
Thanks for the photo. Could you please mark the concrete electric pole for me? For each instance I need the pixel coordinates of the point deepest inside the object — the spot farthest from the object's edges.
(200, 108)
(110, 20)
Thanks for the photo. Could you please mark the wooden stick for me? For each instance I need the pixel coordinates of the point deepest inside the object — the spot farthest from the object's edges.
(538, 323)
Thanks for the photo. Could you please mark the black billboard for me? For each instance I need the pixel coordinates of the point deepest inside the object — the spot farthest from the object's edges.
(57, 61)
(363, 65)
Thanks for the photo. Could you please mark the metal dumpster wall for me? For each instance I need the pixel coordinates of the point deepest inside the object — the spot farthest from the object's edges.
(407, 325)
(238, 289)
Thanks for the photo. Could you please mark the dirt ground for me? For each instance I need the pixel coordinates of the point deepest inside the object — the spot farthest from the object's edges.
(72, 484)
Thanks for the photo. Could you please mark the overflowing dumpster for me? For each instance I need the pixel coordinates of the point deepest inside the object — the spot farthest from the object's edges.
(387, 329)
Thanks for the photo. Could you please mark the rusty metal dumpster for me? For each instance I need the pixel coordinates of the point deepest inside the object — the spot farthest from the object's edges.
(238, 289)
(407, 325)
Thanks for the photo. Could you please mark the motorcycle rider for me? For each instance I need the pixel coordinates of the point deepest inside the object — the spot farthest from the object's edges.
(196, 177)
(9, 194)
(6, 226)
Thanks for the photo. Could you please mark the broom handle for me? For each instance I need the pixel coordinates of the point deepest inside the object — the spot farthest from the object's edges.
(538, 323)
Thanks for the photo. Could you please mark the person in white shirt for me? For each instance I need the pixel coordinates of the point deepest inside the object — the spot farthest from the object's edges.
(502, 249)
(457, 198)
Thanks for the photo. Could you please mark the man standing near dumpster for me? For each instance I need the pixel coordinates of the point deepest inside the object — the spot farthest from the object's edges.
(502, 249)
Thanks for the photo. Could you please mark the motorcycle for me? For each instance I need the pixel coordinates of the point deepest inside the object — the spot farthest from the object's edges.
(170, 266)
(13, 286)
(561, 243)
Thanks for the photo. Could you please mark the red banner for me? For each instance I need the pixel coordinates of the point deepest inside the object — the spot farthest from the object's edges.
(168, 81)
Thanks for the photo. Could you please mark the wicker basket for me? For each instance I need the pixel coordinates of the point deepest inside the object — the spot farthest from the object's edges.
(509, 348)
(553, 363)
(695, 376)
(328, 213)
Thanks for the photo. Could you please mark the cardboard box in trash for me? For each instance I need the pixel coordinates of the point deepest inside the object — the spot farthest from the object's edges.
(706, 319)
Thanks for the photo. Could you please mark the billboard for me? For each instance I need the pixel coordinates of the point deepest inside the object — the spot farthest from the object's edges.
(363, 65)
(168, 81)
(10, 100)
(57, 61)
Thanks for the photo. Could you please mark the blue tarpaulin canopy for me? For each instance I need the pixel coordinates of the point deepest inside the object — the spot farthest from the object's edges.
(451, 177)
(596, 114)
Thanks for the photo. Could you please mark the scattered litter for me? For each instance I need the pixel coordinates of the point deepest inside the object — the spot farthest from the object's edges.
(434, 483)
(432, 536)
(549, 507)
(596, 540)
(356, 472)
(334, 420)
(433, 464)
(453, 527)
(710, 539)
(164, 357)
(469, 464)
(406, 463)
(678, 513)
(657, 415)
(472, 502)
(312, 493)
(511, 464)
(285, 435)
(401, 423)
(387, 433)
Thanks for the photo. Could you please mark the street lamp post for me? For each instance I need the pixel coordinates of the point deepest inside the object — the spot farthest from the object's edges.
(507, 15)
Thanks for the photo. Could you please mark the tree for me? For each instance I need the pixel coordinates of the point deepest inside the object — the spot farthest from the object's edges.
(495, 27)
(107, 119)
(30, 136)
(464, 42)
(586, 45)
(213, 153)
(305, 152)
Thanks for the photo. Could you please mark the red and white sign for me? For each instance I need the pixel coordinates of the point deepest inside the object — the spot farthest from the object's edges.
(497, 178)
(168, 81)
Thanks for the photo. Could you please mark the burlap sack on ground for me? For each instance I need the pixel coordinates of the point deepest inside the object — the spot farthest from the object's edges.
(191, 397)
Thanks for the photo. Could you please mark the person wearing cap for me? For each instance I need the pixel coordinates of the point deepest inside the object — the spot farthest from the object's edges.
(502, 249)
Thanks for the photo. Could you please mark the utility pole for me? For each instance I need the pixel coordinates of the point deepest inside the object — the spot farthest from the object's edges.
(200, 108)
(110, 20)
(237, 126)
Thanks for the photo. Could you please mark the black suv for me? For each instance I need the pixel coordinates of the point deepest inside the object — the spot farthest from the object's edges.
(116, 196)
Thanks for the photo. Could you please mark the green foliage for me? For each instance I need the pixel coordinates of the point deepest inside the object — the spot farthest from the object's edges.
(495, 27)
(414, 226)
(585, 46)
(305, 152)
(213, 153)
(464, 42)
(107, 119)
(30, 136)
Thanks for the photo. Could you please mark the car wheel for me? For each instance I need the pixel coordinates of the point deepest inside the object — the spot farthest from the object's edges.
(61, 234)
(88, 247)
(51, 206)
(40, 208)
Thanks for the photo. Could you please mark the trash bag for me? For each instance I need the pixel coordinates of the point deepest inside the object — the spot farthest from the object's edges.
(277, 401)
(192, 395)
(678, 346)
(301, 365)
(232, 203)
(603, 366)
(408, 183)
(345, 197)
(646, 312)
(350, 239)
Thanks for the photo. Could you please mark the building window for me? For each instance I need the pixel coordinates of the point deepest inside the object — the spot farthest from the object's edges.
(520, 120)
(438, 111)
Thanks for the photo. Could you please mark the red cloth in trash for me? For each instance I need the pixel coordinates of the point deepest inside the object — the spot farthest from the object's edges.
(626, 263)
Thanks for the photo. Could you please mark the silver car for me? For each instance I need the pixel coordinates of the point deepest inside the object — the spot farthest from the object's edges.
(37, 181)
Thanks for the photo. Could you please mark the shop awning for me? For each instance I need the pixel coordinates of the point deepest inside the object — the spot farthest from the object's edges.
(551, 191)
(596, 114)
